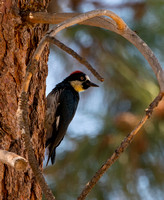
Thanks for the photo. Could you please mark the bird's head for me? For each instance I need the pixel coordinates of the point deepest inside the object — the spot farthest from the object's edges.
(80, 81)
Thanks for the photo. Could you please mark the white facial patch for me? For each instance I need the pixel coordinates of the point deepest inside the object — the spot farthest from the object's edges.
(87, 77)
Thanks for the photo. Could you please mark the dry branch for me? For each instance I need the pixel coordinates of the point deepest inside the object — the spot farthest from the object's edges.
(17, 162)
(120, 24)
(124, 144)
(83, 61)
(106, 23)
(56, 18)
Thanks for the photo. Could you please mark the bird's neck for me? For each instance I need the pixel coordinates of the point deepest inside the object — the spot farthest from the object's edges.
(68, 85)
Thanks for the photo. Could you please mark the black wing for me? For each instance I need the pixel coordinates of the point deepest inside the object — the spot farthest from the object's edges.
(52, 105)
(66, 105)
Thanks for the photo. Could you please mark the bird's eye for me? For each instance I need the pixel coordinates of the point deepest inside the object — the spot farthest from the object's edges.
(82, 78)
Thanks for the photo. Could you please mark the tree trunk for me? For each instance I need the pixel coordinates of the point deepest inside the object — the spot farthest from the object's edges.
(18, 41)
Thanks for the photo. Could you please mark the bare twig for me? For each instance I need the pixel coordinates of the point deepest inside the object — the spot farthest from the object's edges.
(17, 162)
(154, 104)
(56, 18)
(77, 19)
(75, 55)
(124, 144)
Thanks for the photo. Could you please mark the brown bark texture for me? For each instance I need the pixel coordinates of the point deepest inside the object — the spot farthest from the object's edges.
(18, 41)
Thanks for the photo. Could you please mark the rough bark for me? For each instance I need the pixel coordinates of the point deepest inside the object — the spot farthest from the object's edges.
(18, 41)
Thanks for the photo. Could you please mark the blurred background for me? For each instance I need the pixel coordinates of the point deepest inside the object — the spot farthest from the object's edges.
(105, 115)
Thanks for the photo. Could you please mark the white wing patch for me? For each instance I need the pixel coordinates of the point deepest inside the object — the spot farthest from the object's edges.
(57, 122)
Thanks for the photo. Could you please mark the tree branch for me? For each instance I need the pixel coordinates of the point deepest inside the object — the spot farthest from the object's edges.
(69, 22)
(17, 162)
(75, 55)
(124, 144)
(56, 18)
(106, 23)
(148, 54)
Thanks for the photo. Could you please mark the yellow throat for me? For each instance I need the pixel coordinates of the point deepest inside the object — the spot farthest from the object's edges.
(77, 86)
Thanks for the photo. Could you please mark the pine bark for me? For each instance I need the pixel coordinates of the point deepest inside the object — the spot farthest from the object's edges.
(18, 41)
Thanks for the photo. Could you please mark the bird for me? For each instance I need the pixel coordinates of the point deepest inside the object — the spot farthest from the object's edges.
(62, 103)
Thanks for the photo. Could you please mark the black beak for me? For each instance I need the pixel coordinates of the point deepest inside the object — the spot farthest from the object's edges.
(92, 84)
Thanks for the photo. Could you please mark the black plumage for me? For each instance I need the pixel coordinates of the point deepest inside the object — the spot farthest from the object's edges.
(62, 103)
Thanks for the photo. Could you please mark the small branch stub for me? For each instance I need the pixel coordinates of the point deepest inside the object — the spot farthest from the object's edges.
(154, 104)
(17, 162)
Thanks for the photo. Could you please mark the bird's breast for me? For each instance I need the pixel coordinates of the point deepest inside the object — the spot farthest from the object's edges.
(69, 102)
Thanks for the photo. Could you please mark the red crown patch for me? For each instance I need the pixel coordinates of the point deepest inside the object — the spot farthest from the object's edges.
(76, 72)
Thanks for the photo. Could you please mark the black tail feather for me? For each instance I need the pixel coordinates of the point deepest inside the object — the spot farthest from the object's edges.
(52, 155)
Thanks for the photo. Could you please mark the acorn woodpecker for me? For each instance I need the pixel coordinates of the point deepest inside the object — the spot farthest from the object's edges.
(62, 103)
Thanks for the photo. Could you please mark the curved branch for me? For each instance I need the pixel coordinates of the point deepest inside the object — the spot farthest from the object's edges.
(17, 162)
(121, 26)
(56, 18)
(108, 24)
(145, 50)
